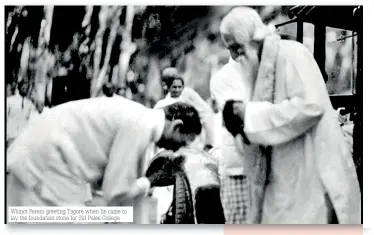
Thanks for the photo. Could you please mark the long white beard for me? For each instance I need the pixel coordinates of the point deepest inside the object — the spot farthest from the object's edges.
(249, 65)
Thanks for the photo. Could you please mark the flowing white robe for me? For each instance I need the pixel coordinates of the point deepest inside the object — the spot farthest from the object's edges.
(311, 162)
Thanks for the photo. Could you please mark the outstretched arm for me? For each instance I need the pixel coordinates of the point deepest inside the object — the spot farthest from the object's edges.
(124, 166)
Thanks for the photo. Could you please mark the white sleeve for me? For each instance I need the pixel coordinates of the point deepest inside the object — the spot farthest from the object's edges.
(272, 124)
(124, 164)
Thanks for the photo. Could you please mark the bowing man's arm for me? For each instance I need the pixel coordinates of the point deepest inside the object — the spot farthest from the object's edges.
(123, 167)
(272, 124)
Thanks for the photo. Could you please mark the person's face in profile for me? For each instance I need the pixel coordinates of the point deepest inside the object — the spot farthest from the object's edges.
(236, 49)
(176, 88)
(173, 139)
(246, 54)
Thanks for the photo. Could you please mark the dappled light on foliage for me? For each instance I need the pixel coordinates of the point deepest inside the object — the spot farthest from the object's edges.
(72, 58)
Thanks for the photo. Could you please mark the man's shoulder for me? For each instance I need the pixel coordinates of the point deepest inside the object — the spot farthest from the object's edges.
(162, 103)
(189, 94)
(228, 77)
(288, 43)
(231, 68)
(125, 105)
(291, 48)
(225, 68)
(113, 100)
(189, 90)
(100, 104)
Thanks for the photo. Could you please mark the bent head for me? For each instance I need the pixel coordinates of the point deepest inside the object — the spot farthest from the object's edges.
(182, 125)
(243, 32)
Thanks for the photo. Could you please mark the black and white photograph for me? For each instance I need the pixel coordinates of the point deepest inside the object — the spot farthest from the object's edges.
(184, 114)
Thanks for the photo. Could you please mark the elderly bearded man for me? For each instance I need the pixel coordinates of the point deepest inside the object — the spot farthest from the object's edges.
(84, 141)
(303, 155)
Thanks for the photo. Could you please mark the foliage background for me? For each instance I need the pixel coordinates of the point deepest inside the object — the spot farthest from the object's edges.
(68, 52)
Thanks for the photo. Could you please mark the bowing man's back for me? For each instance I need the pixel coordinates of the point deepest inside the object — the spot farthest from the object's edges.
(82, 141)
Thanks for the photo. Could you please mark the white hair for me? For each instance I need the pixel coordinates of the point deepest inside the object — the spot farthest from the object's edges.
(245, 25)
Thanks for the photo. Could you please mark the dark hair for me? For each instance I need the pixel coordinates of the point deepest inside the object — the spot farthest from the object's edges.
(169, 75)
(23, 88)
(188, 114)
(170, 82)
(12, 88)
(232, 122)
(108, 89)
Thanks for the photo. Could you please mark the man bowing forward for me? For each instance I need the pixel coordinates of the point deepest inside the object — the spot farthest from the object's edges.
(84, 141)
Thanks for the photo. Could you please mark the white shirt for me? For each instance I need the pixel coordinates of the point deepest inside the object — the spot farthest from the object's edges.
(229, 84)
(81, 141)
